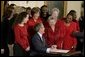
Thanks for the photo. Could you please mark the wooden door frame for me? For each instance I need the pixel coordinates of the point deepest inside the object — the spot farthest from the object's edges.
(2, 9)
(65, 8)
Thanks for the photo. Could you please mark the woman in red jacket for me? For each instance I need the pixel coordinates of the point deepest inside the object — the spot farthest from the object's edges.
(51, 28)
(34, 20)
(50, 32)
(65, 38)
(74, 13)
(21, 36)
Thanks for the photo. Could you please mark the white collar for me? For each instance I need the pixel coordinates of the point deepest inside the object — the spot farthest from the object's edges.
(40, 34)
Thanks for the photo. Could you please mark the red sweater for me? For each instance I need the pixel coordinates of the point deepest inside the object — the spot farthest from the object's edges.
(21, 36)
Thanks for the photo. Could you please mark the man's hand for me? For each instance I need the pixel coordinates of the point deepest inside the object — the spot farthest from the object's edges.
(74, 47)
(54, 46)
(28, 48)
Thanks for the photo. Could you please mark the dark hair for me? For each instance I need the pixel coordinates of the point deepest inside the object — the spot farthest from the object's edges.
(23, 7)
(28, 8)
(43, 6)
(70, 14)
(7, 13)
(20, 17)
(41, 12)
(11, 7)
(72, 11)
(35, 10)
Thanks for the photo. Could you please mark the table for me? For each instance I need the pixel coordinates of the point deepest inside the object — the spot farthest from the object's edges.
(70, 53)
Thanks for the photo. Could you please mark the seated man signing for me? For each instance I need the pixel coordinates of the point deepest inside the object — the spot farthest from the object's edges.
(38, 44)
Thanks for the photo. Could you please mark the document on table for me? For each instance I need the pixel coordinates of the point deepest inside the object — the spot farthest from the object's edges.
(62, 51)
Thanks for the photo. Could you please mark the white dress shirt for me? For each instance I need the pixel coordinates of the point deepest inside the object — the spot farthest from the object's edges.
(40, 36)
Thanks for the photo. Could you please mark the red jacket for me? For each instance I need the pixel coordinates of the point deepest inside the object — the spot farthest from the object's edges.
(50, 35)
(21, 36)
(30, 24)
(65, 38)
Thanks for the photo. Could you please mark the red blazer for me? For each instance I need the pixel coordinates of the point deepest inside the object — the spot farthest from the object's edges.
(21, 36)
(65, 38)
(30, 24)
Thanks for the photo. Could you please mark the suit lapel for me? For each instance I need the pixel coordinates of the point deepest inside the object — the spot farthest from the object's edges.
(42, 40)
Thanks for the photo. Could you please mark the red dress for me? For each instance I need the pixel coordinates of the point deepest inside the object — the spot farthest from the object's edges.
(30, 24)
(21, 36)
(65, 38)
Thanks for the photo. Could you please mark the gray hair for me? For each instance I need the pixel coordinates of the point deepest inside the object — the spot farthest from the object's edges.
(37, 27)
(55, 9)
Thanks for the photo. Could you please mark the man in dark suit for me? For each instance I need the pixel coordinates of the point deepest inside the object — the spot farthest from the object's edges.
(38, 44)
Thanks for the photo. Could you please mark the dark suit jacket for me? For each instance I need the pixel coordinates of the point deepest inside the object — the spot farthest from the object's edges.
(37, 45)
(7, 33)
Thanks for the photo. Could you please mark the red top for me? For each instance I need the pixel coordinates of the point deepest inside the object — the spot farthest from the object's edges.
(65, 38)
(21, 36)
(31, 23)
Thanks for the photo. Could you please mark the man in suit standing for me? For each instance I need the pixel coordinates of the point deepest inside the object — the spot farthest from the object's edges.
(38, 44)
